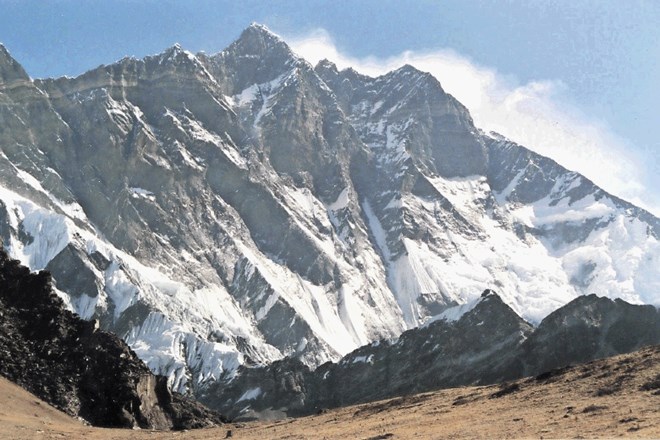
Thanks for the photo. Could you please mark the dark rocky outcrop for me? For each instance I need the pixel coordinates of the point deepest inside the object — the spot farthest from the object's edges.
(489, 344)
(590, 328)
(77, 368)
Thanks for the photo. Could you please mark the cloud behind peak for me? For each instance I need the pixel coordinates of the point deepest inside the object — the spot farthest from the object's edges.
(538, 114)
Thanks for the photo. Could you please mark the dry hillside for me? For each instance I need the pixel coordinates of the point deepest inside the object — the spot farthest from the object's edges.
(615, 397)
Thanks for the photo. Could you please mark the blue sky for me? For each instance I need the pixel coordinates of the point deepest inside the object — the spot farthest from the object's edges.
(591, 68)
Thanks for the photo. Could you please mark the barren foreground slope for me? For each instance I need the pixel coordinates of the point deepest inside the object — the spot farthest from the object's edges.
(615, 397)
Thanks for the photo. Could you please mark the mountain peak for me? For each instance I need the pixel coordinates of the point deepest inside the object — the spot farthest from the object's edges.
(258, 27)
(173, 51)
(256, 57)
(258, 40)
(493, 309)
(407, 70)
(260, 33)
(326, 64)
(10, 69)
(176, 55)
(488, 292)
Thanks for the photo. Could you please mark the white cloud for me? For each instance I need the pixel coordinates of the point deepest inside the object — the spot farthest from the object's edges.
(537, 115)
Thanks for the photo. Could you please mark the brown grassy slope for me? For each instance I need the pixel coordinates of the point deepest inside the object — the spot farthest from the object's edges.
(615, 397)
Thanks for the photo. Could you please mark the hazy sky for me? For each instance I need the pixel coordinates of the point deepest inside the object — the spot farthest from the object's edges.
(576, 80)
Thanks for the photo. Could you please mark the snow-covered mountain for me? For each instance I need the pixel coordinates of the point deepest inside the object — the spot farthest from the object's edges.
(237, 208)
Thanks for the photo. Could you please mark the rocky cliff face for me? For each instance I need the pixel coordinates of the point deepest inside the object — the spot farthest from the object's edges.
(590, 328)
(488, 344)
(234, 209)
(78, 368)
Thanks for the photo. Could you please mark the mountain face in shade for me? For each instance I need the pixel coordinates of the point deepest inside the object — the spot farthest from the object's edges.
(77, 368)
(488, 344)
(218, 211)
(11, 71)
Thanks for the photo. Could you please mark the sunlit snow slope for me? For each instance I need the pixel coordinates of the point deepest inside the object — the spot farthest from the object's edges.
(237, 208)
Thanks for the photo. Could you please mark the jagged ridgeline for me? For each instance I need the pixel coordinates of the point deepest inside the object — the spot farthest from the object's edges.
(74, 366)
(488, 344)
(218, 211)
